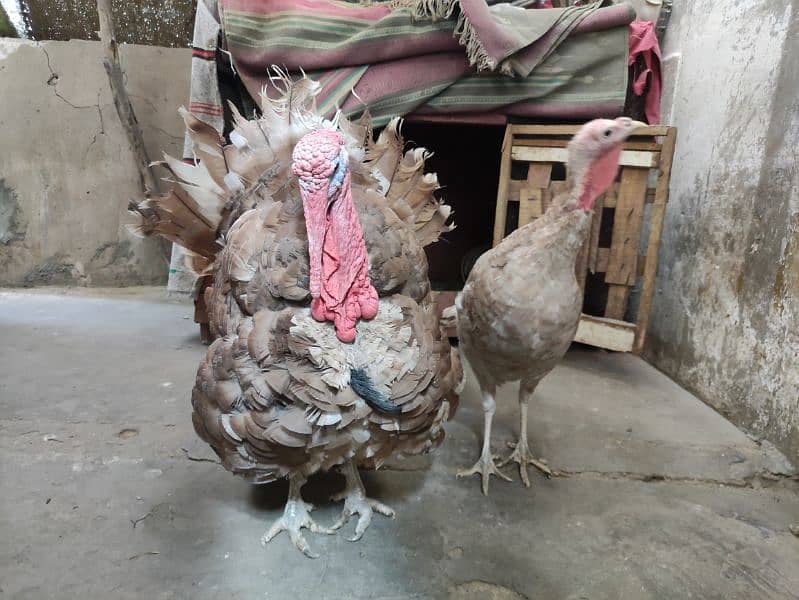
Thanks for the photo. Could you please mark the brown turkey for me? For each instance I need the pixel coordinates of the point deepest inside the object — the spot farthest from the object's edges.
(519, 310)
(328, 349)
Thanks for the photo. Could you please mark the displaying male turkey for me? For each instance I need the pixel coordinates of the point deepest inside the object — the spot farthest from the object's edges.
(328, 348)
(519, 309)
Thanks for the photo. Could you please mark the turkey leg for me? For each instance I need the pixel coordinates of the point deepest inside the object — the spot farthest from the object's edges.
(485, 465)
(356, 502)
(521, 453)
(296, 515)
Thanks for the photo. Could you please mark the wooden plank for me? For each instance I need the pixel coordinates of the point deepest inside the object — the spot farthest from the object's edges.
(613, 192)
(530, 206)
(501, 213)
(539, 174)
(602, 258)
(627, 227)
(593, 234)
(603, 255)
(611, 195)
(628, 158)
(514, 187)
(605, 333)
(618, 297)
(653, 244)
(654, 130)
(555, 187)
(623, 260)
(563, 142)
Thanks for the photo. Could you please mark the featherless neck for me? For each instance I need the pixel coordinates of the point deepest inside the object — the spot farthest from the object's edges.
(592, 179)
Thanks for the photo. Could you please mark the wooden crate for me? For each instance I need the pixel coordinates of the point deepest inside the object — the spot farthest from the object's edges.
(538, 149)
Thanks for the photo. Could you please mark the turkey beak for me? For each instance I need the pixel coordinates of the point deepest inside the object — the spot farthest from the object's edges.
(637, 125)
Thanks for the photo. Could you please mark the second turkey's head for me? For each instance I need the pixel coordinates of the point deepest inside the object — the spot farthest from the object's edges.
(593, 159)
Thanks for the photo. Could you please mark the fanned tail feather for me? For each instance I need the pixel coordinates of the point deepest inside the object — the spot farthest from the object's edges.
(254, 170)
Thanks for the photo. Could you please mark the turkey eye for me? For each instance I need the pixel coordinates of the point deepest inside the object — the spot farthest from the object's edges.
(607, 133)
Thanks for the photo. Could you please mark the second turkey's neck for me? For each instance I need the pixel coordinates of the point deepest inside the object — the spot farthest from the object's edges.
(574, 226)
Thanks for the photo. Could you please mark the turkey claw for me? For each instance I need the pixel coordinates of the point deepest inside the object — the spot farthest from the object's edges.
(485, 467)
(296, 516)
(358, 503)
(522, 455)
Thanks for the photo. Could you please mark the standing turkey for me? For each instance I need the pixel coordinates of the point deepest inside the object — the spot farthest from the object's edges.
(328, 349)
(519, 310)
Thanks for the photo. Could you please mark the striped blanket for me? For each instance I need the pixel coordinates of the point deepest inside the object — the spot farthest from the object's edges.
(438, 57)
(429, 59)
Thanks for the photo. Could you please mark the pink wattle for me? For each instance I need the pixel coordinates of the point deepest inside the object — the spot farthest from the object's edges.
(598, 178)
(340, 288)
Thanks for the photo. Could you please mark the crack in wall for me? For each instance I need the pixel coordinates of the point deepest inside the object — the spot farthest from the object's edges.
(53, 82)
(758, 480)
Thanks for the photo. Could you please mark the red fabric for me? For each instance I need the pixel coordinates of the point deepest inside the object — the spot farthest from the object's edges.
(645, 74)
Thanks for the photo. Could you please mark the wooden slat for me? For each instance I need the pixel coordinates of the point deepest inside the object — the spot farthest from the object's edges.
(563, 142)
(627, 227)
(618, 297)
(653, 244)
(622, 263)
(605, 333)
(501, 213)
(539, 174)
(628, 158)
(603, 255)
(613, 192)
(530, 206)
(602, 258)
(655, 130)
(593, 235)
(514, 186)
(611, 195)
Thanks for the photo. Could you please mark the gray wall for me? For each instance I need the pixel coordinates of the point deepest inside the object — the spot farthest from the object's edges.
(726, 315)
(66, 172)
(147, 22)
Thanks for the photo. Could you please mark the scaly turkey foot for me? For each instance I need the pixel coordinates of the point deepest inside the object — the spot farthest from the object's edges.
(485, 467)
(356, 502)
(296, 516)
(522, 455)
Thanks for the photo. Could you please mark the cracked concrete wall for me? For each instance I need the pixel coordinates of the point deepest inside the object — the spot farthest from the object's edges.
(725, 321)
(66, 171)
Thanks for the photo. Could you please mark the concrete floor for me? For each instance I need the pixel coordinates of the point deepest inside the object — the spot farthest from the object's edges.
(106, 492)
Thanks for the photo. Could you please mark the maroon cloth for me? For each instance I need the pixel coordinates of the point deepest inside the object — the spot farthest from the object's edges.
(644, 62)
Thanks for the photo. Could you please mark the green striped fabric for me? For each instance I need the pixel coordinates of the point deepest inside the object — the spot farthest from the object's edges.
(573, 66)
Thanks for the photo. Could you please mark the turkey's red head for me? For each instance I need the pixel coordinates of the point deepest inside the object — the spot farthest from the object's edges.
(339, 283)
(594, 156)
